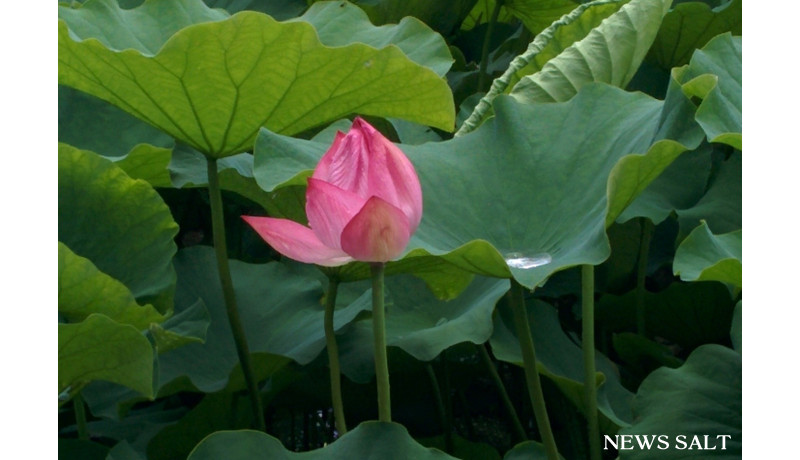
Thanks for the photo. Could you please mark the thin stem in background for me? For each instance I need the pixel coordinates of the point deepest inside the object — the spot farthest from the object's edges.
(447, 428)
(379, 331)
(218, 228)
(641, 273)
(482, 75)
(532, 378)
(80, 417)
(589, 381)
(498, 383)
(333, 357)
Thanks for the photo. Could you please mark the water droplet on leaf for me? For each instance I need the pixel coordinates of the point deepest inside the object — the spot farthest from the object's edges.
(524, 262)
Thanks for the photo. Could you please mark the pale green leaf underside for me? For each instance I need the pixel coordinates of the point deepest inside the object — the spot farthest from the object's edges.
(368, 441)
(702, 397)
(703, 256)
(120, 224)
(213, 85)
(83, 290)
(99, 348)
(610, 53)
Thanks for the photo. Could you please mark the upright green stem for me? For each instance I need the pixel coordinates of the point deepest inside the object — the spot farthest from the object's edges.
(641, 274)
(498, 383)
(80, 417)
(447, 427)
(531, 373)
(333, 357)
(379, 331)
(589, 382)
(218, 227)
(487, 40)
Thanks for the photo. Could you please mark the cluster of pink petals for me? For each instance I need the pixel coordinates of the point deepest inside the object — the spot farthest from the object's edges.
(363, 202)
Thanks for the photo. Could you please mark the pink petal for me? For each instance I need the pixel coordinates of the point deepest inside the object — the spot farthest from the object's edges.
(329, 208)
(391, 175)
(345, 163)
(378, 233)
(364, 162)
(296, 241)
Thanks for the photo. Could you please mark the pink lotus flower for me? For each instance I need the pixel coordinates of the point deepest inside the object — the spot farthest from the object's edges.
(363, 202)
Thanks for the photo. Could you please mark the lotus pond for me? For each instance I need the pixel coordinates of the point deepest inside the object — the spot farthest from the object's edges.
(473, 229)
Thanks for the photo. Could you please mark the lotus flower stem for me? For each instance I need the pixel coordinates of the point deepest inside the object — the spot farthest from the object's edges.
(379, 331)
(218, 228)
(80, 417)
(641, 274)
(498, 383)
(589, 380)
(482, 74)
(531, 373)
(444, 420)
(333, 356)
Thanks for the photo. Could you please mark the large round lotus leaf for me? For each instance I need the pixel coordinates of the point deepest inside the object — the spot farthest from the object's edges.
(703, 256)
(691, 25)
(99, 348)
(715, 75)
(701, 398)
(560, 359)
(212, 85)
(120, 224)
(419, 323)
(368, 441)
(516, 189)
(281, 311)
(83, 290)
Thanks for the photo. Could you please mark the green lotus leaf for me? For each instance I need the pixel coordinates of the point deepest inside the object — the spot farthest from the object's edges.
(83, 290)
(281, 312)
(559, 359)
(535, 14)
(512, 198)
(610, 53)
(687, 315)
(89, 123)
(444, 17)
(99, 348)
(419, 323)
(212, 85)
(368, 441)
(341, 23)
(188, 326)
(463, 448)
(278, 9)
(720, 112)
(689, 26)
(548, 44)
(123, 451)
(701, 398)
(721, 206)
(680, 186)
(528, 450)
(120, 224)
(703, 256)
